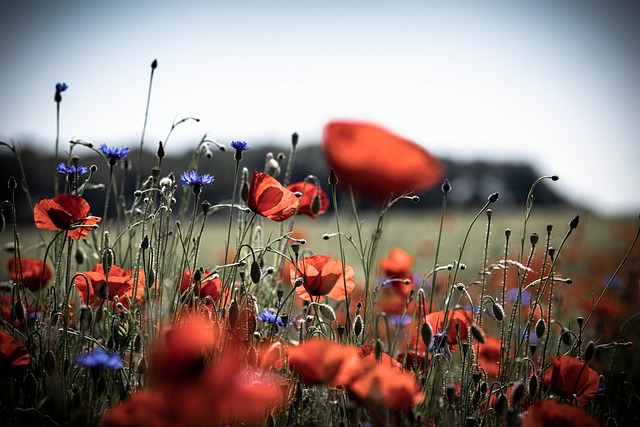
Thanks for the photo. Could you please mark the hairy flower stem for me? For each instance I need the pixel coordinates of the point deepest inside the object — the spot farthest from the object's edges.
(435, 257)
(505, 341)
(347, 299)
(144, 126)
(233, 196)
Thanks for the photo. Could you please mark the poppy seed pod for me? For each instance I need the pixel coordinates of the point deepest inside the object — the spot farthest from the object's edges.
(498, 311)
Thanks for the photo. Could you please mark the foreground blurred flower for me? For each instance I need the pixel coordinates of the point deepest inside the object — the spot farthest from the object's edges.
(549, 413)
(98, 359)
(384, 386)
(319, 361)
(376, 163)
(14, 357)
(34, 274)
(311, 194)
(195, 181)
(198, 384)
(95, 289)
(267, 197)
(113, 154)
(489, 356)
(65, 212)
(571, 376)
(322, 277)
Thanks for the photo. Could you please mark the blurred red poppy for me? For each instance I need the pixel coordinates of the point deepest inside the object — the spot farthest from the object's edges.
(94, 290)
(461, 318)
(34, 274)
(309, 193)
(376, 163)
(384, 386)
(209, 287)
(269, 198)
(14, 357)
(65, 212)
(549, 413)
(398, 266)
(571, 376)
(319, 361)
(322, 276)
(182, 352)
(489, 356)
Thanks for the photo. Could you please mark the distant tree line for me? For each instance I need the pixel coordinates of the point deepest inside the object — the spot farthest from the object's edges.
(471, 181)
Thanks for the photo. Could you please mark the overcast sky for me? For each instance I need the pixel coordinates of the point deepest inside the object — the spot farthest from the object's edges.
(553, 83)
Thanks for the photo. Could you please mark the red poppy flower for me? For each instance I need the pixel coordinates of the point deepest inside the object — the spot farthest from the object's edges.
(318, 361)
(144, 407)
(384, 386)
(309, 192)
(93, 291)
(489, 356)
(269, 198)
(34, 274)
(209, 287)
(182, 352)
(462, 318)
(366, 352)
(398, 266)
(322, 276)
(571, 376)
(14, 357)
(377, 163)
(549, 413)
(65, 212)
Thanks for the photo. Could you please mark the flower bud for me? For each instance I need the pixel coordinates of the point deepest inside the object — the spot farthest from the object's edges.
(154, 64)
(493, 197)
(327, 312)
(255, 272)
(446, 186)
(426, 333)
(574, 222)
(498, 311)
(477, 333)
(589, 351)
(533, 238)
(357, 326)
(294, 139)
(333, 178)
(315, 205)
(540, 328)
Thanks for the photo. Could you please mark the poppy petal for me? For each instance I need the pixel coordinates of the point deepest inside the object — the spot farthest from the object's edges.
(376, 163)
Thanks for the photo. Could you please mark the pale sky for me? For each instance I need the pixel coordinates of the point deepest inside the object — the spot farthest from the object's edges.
(556, 84)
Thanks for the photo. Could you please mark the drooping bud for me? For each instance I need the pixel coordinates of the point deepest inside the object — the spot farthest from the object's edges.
(255, 272)
(477, 333)
(540, 328)
(498, 311)
(518, 393)
(327, 312)
(333, 178)
(589, 351)
(426, 333)
(49, 362)
(315, 205)
(86, 316)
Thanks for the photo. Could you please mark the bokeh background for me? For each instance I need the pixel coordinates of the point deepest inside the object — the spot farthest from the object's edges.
(550, 84)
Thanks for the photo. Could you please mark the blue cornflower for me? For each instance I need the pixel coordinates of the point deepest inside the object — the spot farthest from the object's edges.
(114, 154)
(195, 181)
(512, 294)
(268, 316)
(60, 87)
(239, 146)
(62, 168)
(99, 359)
(440, 345)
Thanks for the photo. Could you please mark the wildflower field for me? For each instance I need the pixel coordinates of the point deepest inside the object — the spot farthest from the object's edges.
(284, 305)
